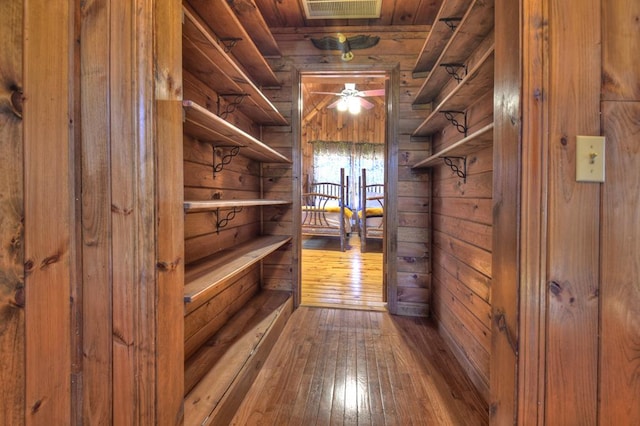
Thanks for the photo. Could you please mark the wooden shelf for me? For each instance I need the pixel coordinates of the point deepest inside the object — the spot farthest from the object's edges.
(206, 278)
(220, 373)
(205, 126)
(439, 35)
(474, 27)
(478, 81)
(201, 206)
(221, 18)
(472, 143)
(207, 60)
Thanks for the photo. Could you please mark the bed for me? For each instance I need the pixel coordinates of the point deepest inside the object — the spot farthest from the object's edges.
(325, 211)
(371, 212)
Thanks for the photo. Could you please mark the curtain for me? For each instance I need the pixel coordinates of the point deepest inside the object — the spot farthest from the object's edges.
(330, 157)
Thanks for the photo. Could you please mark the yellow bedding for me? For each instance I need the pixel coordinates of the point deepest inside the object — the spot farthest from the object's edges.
(372, 211)
(331, 209)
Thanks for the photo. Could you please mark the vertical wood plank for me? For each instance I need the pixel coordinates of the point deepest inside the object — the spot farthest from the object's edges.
(620, 293)
(169, 226)
(12, 313)
(96, 207)
(123, 190)
(533, 221)
(506, 183)
(573, 208)
(49, 209)
(390, 241)
(620, 47)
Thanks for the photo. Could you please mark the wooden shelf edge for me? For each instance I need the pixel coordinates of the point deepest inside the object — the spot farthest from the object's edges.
(202, 278)
(241, 348)
(200, 206)
(439, 35)
(486, 59)
(469, 15)
(267, 112)
(475, 141)
(224, 22)
(220, 130)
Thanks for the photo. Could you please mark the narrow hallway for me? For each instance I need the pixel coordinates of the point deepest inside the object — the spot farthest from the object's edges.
(338, 366)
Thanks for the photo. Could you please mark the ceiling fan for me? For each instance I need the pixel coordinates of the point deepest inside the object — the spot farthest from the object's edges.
(351, 99)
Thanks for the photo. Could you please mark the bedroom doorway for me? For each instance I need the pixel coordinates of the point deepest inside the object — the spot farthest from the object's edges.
(343, 127)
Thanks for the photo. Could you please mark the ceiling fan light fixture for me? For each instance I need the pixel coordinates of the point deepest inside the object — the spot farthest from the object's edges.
(342, 105)
(353, 104)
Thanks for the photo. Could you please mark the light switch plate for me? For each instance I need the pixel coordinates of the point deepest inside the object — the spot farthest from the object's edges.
(590, 159)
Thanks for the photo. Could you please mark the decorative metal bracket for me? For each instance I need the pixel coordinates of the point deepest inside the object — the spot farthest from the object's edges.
(224, 159)
(231, 106)
(460, 127)
(229, 43)
(231, 214)
(462, 173)
(452, 23)
(452, 70)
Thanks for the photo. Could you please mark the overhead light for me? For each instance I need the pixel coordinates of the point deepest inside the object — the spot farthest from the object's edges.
(343, 105)
(353, 104)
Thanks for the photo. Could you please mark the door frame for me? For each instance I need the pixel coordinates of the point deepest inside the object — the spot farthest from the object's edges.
(392, 84)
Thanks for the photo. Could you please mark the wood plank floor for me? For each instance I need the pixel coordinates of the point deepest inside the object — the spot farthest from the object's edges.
(350, 367)
(349, 279)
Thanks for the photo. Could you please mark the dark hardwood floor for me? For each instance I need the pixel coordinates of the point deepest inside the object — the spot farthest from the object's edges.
(349, 367)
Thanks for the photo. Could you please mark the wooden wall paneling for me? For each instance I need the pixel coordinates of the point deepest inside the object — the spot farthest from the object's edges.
(620, 292)
(533, 223)
(230, 180)
(390, 259)
(506, 181)
(204, 245)
(472, 350)
(620, 42)
(97, 315)
(12, 292)
(573, 227)
(205, 223)
(197, 91)
(206, 320)
(165, 35)
(50, 251)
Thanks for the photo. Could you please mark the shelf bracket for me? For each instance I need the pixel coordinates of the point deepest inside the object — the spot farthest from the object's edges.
(452, 23)
(229, 43)
(453, 68)
(460, 127)
(224, 159)
(231, 214)
(231, 106)
(462, 173)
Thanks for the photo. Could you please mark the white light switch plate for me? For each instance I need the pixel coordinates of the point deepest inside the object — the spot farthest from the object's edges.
(590, 159)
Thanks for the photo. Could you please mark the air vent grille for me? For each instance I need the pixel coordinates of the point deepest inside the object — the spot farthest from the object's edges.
(342, 9)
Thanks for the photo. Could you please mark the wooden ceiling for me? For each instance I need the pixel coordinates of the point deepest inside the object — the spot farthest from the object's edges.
(290, 13)
(335, 83)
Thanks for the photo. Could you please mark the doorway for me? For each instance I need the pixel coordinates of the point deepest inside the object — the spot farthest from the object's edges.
(343, 138)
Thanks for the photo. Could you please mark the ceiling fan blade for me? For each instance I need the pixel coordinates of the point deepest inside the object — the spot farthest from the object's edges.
(366, 104)
(376, 92)
(326, 93)
(333, 105)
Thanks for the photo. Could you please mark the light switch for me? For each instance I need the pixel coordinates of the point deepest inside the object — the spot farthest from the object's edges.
(590, 159)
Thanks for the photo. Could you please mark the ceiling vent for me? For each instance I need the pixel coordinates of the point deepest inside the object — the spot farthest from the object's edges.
(342, 9)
